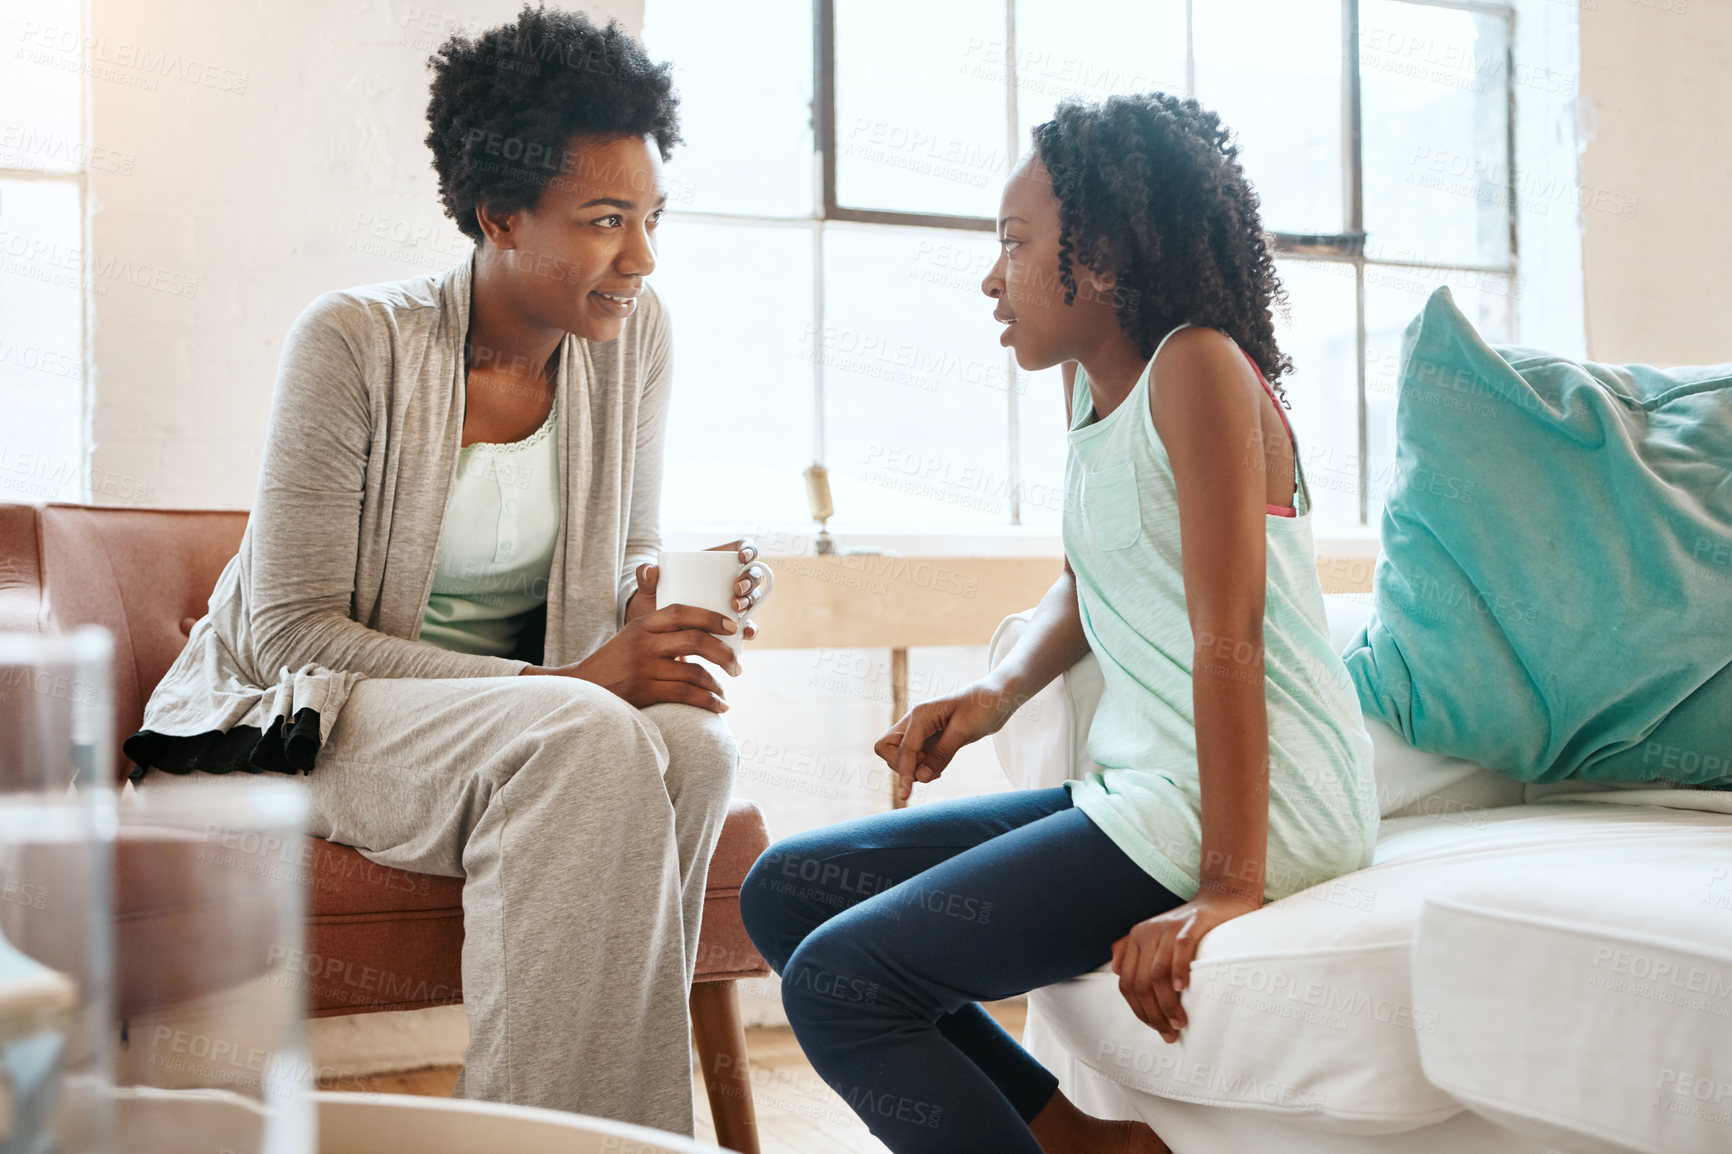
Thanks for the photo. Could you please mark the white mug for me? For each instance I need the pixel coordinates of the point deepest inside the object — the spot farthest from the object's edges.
(705, 579)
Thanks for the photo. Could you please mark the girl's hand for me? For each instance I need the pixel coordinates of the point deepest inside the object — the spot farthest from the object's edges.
(1153, 961)
(918, 747)
(746, 591)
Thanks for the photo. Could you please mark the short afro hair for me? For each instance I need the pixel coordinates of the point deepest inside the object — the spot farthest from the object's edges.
(506, 104)
(1150, 188)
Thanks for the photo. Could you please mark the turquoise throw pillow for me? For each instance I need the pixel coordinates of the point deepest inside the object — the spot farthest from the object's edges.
(1554, 598)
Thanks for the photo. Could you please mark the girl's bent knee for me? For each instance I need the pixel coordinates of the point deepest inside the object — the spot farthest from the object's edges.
(765, 909)
(829, 972)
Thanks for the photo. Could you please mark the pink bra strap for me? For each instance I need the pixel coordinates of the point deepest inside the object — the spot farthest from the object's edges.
(1278, 510)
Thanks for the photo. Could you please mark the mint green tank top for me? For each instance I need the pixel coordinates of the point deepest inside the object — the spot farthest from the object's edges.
(496, 543)
(1121, 534)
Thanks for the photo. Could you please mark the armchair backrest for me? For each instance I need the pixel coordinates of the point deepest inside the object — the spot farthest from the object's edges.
(145, 575)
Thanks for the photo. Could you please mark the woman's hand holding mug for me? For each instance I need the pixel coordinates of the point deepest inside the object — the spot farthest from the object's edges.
(645, 662)
(697, 584)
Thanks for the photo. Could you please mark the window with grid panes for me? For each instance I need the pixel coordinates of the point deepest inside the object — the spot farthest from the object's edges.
(833, 210)
(43, 157)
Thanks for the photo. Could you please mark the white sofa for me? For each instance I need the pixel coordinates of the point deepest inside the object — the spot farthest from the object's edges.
(1519, 971)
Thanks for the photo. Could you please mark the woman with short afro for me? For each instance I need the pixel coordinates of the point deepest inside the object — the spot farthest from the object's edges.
(1230, 761)
(443, 613)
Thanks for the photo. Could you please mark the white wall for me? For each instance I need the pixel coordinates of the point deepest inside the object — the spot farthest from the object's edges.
(287, 163)
(1547, 157)
(1657, 180)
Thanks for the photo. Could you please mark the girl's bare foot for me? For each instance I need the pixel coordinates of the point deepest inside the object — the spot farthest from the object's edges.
(1061, 1128)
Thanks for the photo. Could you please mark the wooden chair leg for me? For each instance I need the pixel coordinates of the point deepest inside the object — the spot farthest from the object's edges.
(898, 708)
(721, 1043)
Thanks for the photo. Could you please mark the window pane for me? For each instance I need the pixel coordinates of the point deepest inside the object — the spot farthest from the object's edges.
(1393, 297)
(1436, 125)
(916, 411)
(41, 342)
(1272, 69)
(744, 75)
(740, 423)
(41, 43)
(1318, 333)
(915, 130)
(1091, 49)
(1043, 446)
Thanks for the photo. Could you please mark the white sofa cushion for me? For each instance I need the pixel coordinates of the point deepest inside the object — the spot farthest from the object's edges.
(1590, 1007)
(1046, 740)
(1411, 782)
(1306, 1008)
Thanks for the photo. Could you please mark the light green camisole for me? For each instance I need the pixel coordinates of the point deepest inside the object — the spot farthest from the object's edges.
(1121, 534)
(496, 543)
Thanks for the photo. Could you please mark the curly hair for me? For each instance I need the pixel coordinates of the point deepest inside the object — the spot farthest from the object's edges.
(1150, 189)
(506, 104)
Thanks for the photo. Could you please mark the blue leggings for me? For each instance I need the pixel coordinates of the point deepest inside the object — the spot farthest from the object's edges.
(890, 929)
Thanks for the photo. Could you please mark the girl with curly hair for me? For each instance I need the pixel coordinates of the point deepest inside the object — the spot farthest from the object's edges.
(1232, 766)
(460, 489)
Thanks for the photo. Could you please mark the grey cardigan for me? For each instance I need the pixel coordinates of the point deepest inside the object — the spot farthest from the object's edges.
(334, 571)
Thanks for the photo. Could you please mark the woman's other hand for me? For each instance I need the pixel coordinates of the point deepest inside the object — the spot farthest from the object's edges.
(645, 663)
(749, 589)
(920, 746)
(643, 601)
(1153, 961)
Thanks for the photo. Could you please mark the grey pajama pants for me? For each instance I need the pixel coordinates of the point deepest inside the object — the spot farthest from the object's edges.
(583, 828)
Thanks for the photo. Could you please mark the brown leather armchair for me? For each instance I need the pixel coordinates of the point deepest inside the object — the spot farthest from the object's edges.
(146, 575)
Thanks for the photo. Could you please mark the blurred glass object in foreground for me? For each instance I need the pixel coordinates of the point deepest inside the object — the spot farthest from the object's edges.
(57, 826)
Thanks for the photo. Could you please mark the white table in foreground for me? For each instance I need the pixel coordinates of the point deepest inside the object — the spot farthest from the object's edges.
(175, 1122)
(402, 1124)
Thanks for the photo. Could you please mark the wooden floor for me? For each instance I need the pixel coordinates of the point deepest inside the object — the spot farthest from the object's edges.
(797, 1112)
